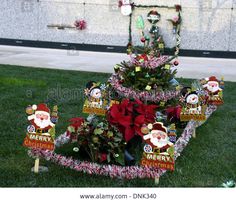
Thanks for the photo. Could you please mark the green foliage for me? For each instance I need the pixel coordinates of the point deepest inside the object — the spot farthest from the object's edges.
(158, 79)
(102, 142)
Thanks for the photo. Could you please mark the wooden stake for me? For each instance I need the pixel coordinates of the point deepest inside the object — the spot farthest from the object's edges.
(156, 180)
(194, 133)
(36, 166)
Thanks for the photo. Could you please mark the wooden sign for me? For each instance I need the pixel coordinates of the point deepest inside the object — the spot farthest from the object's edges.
(159, 149)
(38, 141)
(214, 87)
(95, 102)
(41, 131)
(193, 107)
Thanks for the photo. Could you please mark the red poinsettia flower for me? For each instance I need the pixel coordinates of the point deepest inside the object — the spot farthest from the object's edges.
(129, 116)
(138, 123)
(147, 110)
(128, 106)
(117, 115)
(122, 119)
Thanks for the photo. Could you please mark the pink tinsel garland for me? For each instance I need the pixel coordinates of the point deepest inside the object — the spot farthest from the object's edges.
(151, 63)
(154, 96)
(114, 171)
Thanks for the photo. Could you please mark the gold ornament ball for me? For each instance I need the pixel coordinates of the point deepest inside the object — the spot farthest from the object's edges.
(29, 110)
(145, 130)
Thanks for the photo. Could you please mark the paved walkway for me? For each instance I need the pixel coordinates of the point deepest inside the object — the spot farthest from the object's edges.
(189, 67)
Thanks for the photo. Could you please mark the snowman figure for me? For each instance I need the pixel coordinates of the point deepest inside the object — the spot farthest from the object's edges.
(192, 103)
(94, 94)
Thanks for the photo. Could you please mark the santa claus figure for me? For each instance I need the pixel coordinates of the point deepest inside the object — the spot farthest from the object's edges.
(41, 118)
(212, 86)
(158, 138)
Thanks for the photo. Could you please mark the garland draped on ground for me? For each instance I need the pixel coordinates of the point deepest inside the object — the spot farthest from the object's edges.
(115, 171)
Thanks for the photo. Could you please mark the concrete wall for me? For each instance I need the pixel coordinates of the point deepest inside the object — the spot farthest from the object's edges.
(207, 24)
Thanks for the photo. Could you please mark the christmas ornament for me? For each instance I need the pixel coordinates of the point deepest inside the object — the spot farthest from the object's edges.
(222, 83)
(176, 21)
(148, 88)
(159, 150)
(126, 8)
(129, 48)
(161, 46)
(174, 82)
(167, 66)
(29, 110)
(132, 74)
(144, 129)
(147, 75)
(140, 23)
(143, 39)
(137, 69)
(76, 149)
(176, 63)
(215, 93)
(54, 115)
(153, 17)
(154, 31)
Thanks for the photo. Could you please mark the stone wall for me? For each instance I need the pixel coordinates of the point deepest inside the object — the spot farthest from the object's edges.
(207, 24)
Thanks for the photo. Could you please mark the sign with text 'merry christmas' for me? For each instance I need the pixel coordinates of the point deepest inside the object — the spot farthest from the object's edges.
(159, 147)
(41, 131)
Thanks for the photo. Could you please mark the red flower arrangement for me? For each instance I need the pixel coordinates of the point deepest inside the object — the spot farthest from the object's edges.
(72, 130)
(129, 117)
(80, 24)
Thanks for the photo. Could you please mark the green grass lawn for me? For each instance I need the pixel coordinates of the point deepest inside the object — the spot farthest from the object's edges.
(207, 161)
